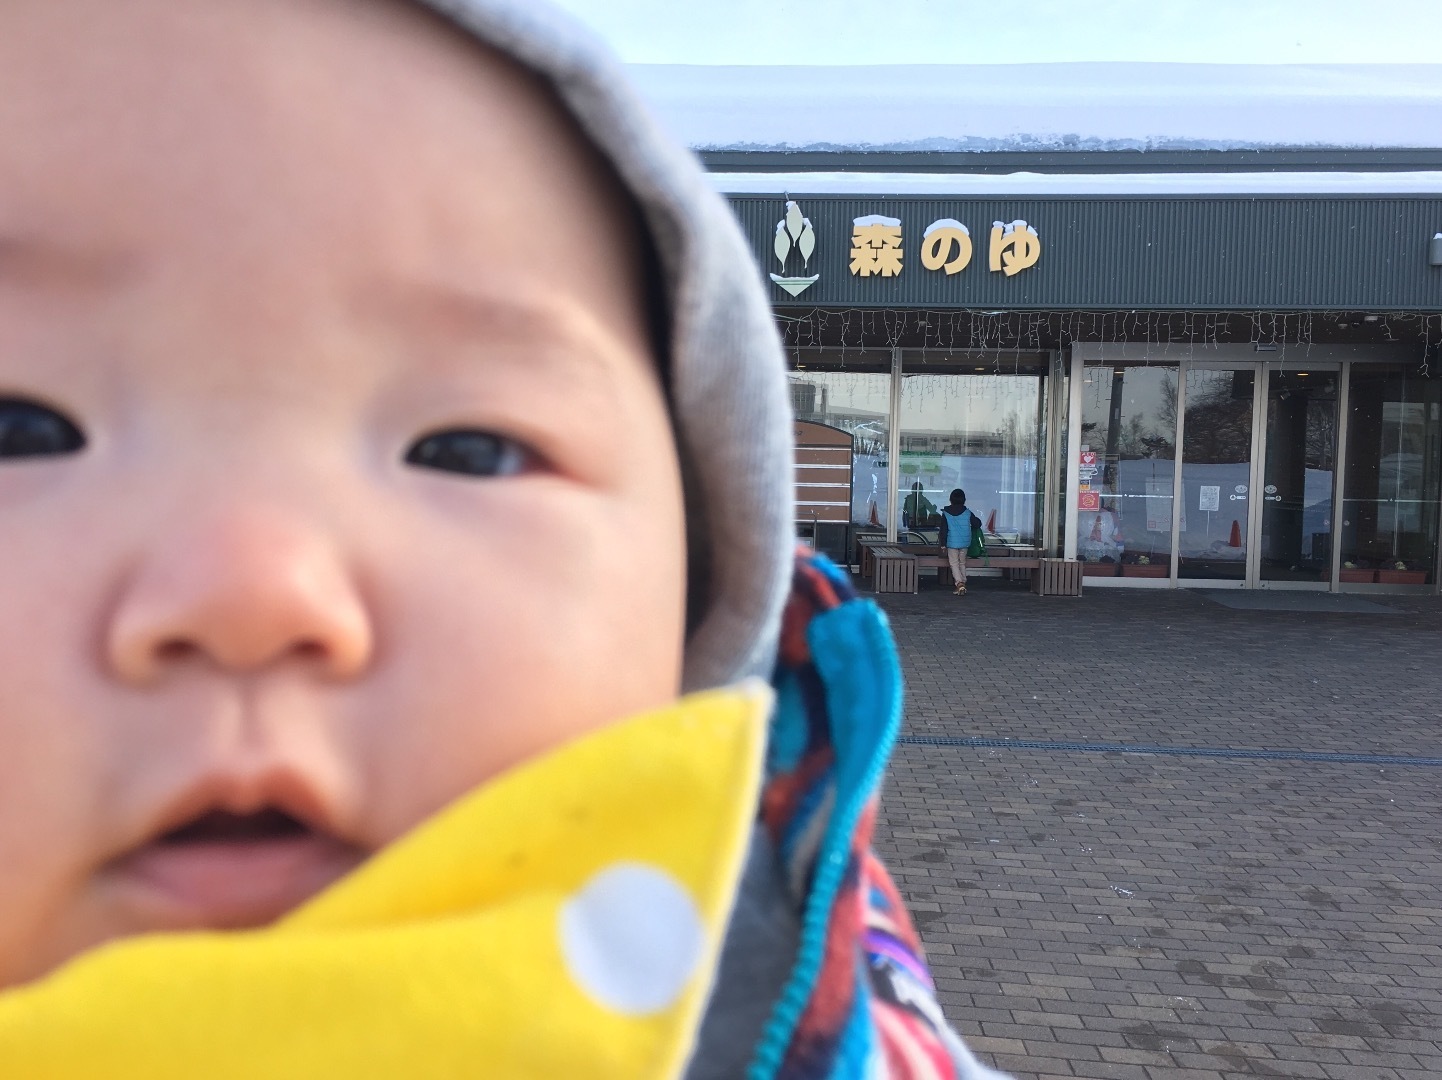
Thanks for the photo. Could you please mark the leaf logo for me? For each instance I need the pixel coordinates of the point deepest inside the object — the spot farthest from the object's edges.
(794, 233)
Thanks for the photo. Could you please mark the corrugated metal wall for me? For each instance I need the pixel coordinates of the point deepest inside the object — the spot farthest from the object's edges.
(1159, 253)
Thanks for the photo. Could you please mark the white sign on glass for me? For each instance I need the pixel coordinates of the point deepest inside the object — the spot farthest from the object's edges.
(1159, 506)
(1211, 498)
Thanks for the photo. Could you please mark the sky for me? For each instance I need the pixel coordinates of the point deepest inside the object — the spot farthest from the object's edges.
(852, 32)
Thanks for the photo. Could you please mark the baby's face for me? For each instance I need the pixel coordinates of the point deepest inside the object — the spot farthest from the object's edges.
(335, 475)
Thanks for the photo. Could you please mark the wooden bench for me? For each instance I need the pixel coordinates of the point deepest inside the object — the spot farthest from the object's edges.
(864, 544)
(1013, 562)
(1049, 577)
(933, 557)
(1058, 577)
(895, 570)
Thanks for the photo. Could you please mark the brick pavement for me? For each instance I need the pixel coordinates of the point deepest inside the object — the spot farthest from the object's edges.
(1156, 917)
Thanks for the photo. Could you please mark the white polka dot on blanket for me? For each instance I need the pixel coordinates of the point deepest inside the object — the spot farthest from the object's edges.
(631, 938)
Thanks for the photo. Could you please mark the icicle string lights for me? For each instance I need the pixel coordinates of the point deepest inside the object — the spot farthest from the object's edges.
(994, 337)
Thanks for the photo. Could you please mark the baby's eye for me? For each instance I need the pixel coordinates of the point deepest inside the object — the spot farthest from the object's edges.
(473, 453)
(29, 429)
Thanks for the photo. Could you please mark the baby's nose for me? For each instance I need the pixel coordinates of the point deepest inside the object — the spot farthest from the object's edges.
(242, 594)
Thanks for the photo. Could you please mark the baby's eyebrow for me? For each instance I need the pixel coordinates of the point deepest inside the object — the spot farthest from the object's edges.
(35, 262)
(461, 309)
(565, 338)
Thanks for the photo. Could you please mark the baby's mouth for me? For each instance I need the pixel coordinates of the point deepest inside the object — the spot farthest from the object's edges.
(225, 870)
(223, 827)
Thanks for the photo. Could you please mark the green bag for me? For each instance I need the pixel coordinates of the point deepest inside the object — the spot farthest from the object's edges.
(977, 549)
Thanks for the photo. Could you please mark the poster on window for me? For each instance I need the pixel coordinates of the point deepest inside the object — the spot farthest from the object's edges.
(1159, 506)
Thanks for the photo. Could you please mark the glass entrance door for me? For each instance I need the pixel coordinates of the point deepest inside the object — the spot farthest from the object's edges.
(1393, 458)
(1218, 427)
(1294, 542)
(1259, 460)
(1263, 453)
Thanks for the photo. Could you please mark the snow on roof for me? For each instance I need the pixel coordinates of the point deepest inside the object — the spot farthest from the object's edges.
(1027, 183)
(1039, 107)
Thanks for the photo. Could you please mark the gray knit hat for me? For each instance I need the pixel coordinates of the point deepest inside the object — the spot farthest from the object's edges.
(727, 377)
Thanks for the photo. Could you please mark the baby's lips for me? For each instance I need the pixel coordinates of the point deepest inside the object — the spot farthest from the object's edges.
(188, 880)
(235, 849)
(278, 793)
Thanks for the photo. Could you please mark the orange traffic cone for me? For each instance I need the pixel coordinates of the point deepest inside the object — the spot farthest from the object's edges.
(991, 522)
(875, 518)
(1235, 540)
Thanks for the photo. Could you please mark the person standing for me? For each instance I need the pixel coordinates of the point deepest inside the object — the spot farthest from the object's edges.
(959, 528)
(917, 511)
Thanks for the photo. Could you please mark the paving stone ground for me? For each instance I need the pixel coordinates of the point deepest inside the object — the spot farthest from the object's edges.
(1160, 917)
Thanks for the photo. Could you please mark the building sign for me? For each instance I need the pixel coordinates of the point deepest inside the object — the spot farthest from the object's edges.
(876, 246)
(1014, 248)
(946, 245)
(795, 238)
(877, 249)
(1095, 253)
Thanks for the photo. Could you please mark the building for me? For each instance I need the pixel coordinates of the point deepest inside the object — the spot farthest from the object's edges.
(1181, 322)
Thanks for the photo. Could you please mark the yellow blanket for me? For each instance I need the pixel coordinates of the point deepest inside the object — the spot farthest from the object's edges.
(562, 921)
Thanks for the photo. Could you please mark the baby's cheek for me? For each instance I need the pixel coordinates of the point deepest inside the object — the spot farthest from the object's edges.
(520, 645)
(49, 840)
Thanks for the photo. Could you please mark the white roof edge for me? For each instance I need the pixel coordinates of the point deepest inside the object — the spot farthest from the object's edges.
(1028, 183)
(1029, 107)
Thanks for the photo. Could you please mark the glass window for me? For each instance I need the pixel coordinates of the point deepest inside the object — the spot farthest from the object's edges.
(1296, 496)
(1127, 469)
(858, 403)
(1062, 388)
(1394, 445)
(964, 424)
(1216, 473)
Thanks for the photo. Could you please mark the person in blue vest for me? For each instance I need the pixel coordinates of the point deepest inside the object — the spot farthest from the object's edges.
(960, 534)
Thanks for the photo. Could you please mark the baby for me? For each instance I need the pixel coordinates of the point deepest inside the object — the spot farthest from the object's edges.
(393, 442)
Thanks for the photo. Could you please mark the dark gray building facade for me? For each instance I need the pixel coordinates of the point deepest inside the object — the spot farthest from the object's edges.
(1222, 372)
